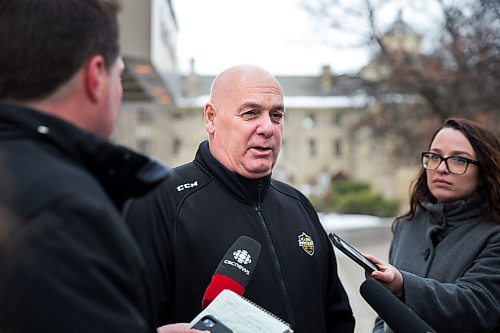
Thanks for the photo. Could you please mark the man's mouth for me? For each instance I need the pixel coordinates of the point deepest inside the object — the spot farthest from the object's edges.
(261, 148)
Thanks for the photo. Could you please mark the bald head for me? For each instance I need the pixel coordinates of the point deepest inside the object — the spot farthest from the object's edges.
(244, 120)
(230, 81)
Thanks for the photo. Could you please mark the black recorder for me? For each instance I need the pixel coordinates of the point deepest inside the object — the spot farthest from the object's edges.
(209, 323)
(352, 253)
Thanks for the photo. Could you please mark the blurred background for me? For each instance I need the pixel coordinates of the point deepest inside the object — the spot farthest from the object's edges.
(366, 83)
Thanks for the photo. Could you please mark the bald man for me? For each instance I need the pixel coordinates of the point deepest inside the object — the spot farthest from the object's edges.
(186, 226)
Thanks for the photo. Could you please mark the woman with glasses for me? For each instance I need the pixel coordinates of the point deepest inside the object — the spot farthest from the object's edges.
(445, 254)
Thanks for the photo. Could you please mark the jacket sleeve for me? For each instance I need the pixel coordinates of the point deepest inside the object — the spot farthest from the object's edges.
(339, 316)
(380, 326)
(147, 218)
(470, 304)
(71, 268)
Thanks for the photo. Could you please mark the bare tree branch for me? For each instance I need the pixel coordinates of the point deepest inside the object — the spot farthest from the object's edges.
(459, 76)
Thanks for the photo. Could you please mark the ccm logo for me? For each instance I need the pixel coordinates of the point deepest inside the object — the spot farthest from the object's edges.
(185, 186)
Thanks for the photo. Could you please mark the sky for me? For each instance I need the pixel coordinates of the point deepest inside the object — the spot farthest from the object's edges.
(276, 34)
(281, 36)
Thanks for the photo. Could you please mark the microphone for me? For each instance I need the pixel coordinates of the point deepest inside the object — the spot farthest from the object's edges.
(395, 313)
(235, 269)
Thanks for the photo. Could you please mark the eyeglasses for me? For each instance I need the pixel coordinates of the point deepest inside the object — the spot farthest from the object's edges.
(454, 164)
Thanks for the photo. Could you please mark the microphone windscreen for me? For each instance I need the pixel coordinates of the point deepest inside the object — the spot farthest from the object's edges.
(240, 260)
(395, 313)
(234, 270)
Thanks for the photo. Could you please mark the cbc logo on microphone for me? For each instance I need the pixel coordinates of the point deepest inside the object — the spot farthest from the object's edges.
(242, 256)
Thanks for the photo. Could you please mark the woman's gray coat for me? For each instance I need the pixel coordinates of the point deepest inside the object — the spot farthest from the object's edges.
(449, 256)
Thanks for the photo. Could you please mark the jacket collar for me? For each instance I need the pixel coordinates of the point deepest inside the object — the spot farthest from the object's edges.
(444, 217)
(121, 172)
(456, 212)
(250, 191)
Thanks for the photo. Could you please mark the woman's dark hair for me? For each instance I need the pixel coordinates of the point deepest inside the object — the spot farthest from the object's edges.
(45, 42)
(487, 148)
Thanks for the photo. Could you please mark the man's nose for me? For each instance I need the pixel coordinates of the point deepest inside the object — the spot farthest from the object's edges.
(266, 126)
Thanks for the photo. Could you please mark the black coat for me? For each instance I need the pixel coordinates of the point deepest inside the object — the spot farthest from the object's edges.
(68, 262)
(189, 222)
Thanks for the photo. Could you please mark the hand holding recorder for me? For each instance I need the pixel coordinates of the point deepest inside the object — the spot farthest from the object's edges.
(387, 274)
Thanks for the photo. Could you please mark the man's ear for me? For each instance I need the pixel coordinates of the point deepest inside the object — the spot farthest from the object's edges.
(210, 113)
(95, 77)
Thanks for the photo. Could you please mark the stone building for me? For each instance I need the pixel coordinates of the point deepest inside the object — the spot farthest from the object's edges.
(148, 38)
(162, 113)
(318, 109)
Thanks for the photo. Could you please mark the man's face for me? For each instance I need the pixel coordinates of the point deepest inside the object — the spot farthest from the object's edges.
(247, 125)
(112, 102)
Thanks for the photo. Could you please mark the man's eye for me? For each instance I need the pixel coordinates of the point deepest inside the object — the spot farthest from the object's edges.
(277, 116)
(249, 113)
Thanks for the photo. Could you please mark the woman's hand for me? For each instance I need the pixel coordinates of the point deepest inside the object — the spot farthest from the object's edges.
(388, 275)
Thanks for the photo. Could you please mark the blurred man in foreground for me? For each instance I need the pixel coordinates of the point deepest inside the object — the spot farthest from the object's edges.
(68, 262)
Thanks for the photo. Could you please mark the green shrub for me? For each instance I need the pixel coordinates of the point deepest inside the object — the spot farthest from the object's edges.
(355, 197)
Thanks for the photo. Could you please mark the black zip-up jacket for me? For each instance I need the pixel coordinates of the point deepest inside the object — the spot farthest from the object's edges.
(68, 262)
(188, 223)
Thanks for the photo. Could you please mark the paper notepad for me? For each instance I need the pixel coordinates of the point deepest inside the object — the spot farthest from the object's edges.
(242, 315)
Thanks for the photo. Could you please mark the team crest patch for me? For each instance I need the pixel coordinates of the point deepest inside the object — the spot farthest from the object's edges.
(306, 243)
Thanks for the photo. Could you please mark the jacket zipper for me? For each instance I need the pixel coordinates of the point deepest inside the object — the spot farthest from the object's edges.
(276, 263)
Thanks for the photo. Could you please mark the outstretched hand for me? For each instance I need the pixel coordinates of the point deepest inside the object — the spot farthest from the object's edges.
(388, 275)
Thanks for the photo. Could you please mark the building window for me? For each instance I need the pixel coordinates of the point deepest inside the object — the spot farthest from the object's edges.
(144, 117)
(309, 121)
(176, 146)
(176, 116)
(337, 119)
(145, 146)
(337, 148)
(283, 149)
(312, 147)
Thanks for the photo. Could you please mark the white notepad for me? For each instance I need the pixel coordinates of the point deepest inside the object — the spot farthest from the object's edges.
(242, 315)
